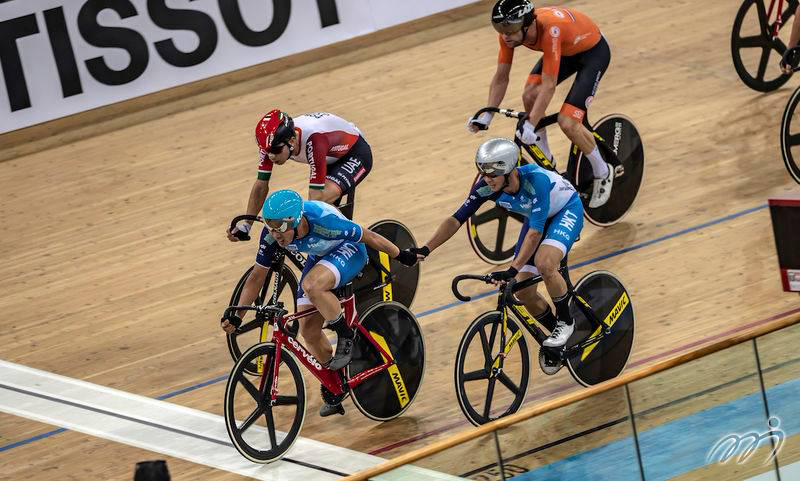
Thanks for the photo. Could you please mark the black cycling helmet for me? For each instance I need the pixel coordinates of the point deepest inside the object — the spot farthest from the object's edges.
(510, 16)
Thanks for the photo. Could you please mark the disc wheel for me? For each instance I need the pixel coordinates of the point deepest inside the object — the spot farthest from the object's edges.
(492, 232)
(611, 304)
(252, 332)
(260, 430)
(752, 45)
(790, 136)
(404, 286)
(487, 389)
(388, 394)
(618, 134)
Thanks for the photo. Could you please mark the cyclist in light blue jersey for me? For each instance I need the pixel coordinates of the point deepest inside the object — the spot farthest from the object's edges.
(554, 216)
(336, 249)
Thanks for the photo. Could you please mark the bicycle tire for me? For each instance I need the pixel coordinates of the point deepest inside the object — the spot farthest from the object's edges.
(764, 41)
(288, 279)
(607, 358)
(244, 439)
(620, 135)
(461, 378)
(388, 394)
(789, 140)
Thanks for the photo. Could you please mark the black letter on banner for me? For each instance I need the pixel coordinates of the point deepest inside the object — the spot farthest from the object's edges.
(62, 52)
(328, 15)
(10, 31)
(233, 20)
(175, 19)
(124, 38)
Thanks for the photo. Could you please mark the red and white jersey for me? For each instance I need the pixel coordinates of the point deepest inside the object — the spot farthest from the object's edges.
(324, 138)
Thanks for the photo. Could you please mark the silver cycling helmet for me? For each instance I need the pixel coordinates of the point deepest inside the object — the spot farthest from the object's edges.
(497, 157)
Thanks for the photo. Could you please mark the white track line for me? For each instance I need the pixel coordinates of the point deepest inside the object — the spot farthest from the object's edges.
(168, 428)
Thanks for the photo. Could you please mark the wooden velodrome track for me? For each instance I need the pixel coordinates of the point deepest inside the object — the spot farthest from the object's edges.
(115, 268)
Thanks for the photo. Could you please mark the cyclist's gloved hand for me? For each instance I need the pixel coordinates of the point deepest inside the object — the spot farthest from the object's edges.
(406, 257)
(481, 123)
(526, 132)
(790, 60)
(240, 233)
(505, 275)
(420, 252)
(230, 323)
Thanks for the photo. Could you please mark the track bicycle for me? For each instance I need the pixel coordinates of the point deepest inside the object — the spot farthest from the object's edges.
(620, 144)
(493, 348)
(790, 135)
(265, 397)
(755, 35)
(382, 279)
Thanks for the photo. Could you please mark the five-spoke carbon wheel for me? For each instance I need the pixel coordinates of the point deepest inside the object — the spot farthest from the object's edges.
(755, 52)
(489, 386)
(790, 136)
(262, 430)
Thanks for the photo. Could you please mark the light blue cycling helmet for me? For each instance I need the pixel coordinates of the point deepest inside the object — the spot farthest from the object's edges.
(282, 210)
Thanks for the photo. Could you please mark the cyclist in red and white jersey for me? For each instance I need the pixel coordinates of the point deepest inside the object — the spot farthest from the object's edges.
(337, 155)
(570, 43)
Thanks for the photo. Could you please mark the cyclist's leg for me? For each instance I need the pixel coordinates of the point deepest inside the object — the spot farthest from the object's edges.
(311, 326)
(531, 91)
(343, 264)
(535, 304)
(593, 64)
(559, 236)
(348, 172)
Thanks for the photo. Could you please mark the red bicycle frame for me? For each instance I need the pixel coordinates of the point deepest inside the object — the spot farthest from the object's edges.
(330, 379)
(779, 19)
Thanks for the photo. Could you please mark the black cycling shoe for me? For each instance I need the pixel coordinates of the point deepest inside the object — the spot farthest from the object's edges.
(344, 352)
(331, 404)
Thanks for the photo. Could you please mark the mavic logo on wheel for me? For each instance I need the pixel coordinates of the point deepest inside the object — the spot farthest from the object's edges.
(394, 372)
(400, 387)
(609, 321)
(308, 357)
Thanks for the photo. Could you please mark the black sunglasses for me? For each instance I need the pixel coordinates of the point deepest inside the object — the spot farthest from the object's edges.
(276, 148)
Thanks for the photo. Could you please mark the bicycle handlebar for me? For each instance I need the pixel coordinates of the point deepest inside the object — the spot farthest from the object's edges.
(274, 309)
(506, 294)
(507, 112)
(240, 234)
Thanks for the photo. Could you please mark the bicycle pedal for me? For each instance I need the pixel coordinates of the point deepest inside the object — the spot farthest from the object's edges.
(619, 171)
(548, 365)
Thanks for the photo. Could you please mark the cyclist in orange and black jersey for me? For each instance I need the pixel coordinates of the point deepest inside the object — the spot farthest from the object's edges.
(571, 44)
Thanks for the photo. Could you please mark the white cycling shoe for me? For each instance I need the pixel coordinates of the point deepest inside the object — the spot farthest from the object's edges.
(601, 190)
(560, 335)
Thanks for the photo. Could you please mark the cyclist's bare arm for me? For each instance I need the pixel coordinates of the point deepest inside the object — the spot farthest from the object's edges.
(499, 85)
(249, 293)
(257, 196)
(379, 243)
(445, 231)
(527, 249)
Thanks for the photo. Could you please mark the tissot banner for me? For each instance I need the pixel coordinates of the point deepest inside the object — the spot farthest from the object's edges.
(60, 57)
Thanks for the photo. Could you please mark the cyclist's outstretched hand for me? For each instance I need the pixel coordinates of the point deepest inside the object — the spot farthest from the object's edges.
(406, 257)
(420, 252)
(481, 123)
